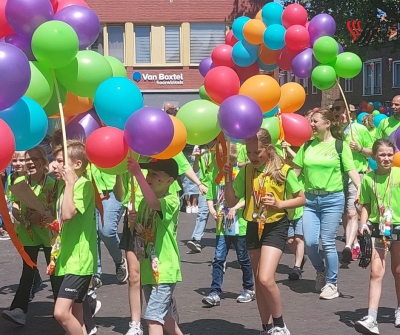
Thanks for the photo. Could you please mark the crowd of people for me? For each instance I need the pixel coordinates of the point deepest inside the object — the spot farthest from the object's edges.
(272, 196)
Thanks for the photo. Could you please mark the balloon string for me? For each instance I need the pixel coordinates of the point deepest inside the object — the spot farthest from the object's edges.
(228, 156)
(133, 196)
(347, 108)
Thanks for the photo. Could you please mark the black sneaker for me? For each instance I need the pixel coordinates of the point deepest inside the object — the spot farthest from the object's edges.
(194, 246)
(96, 282)
(122, 271)
(347, 255)
(295, 273)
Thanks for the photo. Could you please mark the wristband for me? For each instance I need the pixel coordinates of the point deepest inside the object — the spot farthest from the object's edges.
(363, 226)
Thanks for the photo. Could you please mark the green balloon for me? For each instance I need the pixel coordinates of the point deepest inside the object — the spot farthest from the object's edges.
(118, 69)
(200, 118)
(55, 44)
(375, 112)
(347, 65)
(325, 49)
(85, 73)
(52, 106)
(203, 94)
(41, 85)
(323, 77)
(272, 125)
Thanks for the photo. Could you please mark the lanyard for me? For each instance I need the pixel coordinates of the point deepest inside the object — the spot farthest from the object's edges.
(381, 207)
(257, 195)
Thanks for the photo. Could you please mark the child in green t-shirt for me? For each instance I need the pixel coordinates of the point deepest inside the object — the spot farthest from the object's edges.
(76, 261)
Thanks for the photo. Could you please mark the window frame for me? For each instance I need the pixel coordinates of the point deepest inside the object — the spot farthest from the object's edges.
(346, 81)
(134, 44)
(164, 58)
(106, 26)
(314, 89)
(394, 63)
(368, 63)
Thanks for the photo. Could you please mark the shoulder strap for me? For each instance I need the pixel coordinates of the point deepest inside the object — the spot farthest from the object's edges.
(307, 144)
(339, 150)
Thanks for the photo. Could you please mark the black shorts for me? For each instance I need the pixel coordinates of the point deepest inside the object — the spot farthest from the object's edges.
(274, 234)
(395, 231)
(127, 239)
(71, 287)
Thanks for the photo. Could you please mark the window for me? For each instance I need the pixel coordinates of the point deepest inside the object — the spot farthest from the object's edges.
(348, 85)
(305, 85)
(116, 42)
(204, 37)
(396, 73)
(372, 77)
(313, 90)
(286, 77)
(98, 45)
(142, 44)
(172, 44)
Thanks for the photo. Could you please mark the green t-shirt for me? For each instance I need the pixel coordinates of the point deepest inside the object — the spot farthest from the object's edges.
(242, 153)
(278, 148)
(164, 224)
(183, 167)
(321, 165)
(103, 181)
(383, 190)
(298, 212)
(386, 127)
(78, 250)
(372, 132)
(126, 182)
(363, 137)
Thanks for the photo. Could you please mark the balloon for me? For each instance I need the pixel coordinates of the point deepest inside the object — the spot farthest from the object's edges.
(293, 97)
(23, 43)
(7, 145)
(244, 54)
(81, 126)
(25, 16)
(203, 94)
(245, 73)
(382, 109)
(321, 25)
(258, 15)
(377, 104)
(5, 28)
(237, 27)
(121, 92)
(106, 147)
(395, 138)
(363, 105)
(84, 21)
(396, 159)
(205, 65)
(230, 39)
(285, 58)
(370, 108)
(54, 4)
(149, 131)
(265, 67)
(178, 141)
(272, 112)
(347, 65)
(267, 56)
(75, 105)
(121, 168)
(200, 120)
(271, 13)
(15, 75)
(240, 117)
(257, 87)
(296, 128)
(377, 119)
(271, 124)
(55, 44)
(325, 49)
(274, 36)
(51, 108)
(302, 64)
(41, 85)
(360, 117)
(297, 37)
(85, 73)
(340, 48)
(222, 56)
(28, 122)
(221, 83)
(375, 112)
(323, 77)
(372, 164)
(65, 3)
(294, 14)
(118, 69)
(253, 31)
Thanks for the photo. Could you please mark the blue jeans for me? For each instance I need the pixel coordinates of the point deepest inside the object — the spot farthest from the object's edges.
(109, 232)
(221, 251)
(201, 219)
(321, 218)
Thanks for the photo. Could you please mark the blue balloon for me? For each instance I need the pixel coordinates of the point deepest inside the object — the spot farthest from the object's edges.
(271, 13)
(237, 27)
(116, 99)
(244, 54)
(266, 67)
(377, 104)
(372, 164)
(28, 122)
(272, 112)
(274, 37)
(361, 116)
(378, 118)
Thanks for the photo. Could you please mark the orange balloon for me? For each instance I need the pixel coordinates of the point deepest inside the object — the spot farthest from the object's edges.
(178, 141)
(292, 98)
(253, 31)
(264, 89)
(258, 15)
(370, 108)
(267, 56)
(396, 159)
(75, 105)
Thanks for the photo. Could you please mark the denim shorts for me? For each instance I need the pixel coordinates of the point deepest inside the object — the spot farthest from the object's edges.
(296, 227)
(158, 301)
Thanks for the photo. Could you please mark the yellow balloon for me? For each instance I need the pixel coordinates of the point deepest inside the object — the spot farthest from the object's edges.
(253, 31)
(292, 98)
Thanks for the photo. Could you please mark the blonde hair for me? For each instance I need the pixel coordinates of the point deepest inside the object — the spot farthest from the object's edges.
(76, 151)
(335, 129)
(42, 153)
(233, 154)
(18, 154)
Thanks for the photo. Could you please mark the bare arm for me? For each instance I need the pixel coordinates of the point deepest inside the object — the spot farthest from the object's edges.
(119, 189)
(365, 212)
(192, 176)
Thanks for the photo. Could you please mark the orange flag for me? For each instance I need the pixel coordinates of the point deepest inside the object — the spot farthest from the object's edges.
(220, 156)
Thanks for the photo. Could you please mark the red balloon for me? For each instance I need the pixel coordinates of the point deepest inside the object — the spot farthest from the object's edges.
(221, 82)
(296, 128)
(106, 147)
(363, 106)
(294, 14)
(230, 39)
(7, 145)
(245, 73)
(54, 3)
(370, 108)
(5, 29)
(65, 3)
(222, 56)
(297, 37)
(285, 58)
(382, 109)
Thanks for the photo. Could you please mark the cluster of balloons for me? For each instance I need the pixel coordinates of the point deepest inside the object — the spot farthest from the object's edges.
(374, 108)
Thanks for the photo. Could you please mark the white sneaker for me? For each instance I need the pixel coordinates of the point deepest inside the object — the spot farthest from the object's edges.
(195, 209)
(93, 331)
(98, 306)
(397, 318)
(329, 292)
(320, 280)
(16, 316)
(188, 209)
(279, 331)
(367, 325)
(134, 329)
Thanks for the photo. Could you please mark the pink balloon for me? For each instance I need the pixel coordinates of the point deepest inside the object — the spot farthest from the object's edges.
(294, 14)
(296, 128)
(245, 73)
(222, 56)
(297, 37)
(285, 58)
(221, 82)
(230, 39)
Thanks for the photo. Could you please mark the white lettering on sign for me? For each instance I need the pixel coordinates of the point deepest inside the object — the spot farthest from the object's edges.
(164, 79)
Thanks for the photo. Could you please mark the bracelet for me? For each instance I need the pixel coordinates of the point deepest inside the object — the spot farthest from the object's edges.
(361, 150)
(363, 226)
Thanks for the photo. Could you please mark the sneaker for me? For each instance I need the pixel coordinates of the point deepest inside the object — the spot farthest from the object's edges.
(122, 272)
(224, 268)
(397, 318)
(93, 331)
(195, 209)
(97, 283)
(355, 252)
(188, 209)
(295, 273)
(279, 331)
(211, 300)
(194, 245)
(329, 292)
(16, 316)
(4, 235)
(347, 255)
(98, 306)
(246, 296)
(367, 325)
(320, 280)
(134, 329)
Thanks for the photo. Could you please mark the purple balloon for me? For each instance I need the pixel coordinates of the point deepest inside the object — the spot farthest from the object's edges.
(22, 42)
(15, 75)
(84, 21)
(82, 125)
(240, 117)
(340, 48)
(149, 131)
(321, 25)
(206, 65)
(25, 16)
(304, 63)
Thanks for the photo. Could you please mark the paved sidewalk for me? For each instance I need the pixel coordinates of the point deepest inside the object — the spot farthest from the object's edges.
(304, 313)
